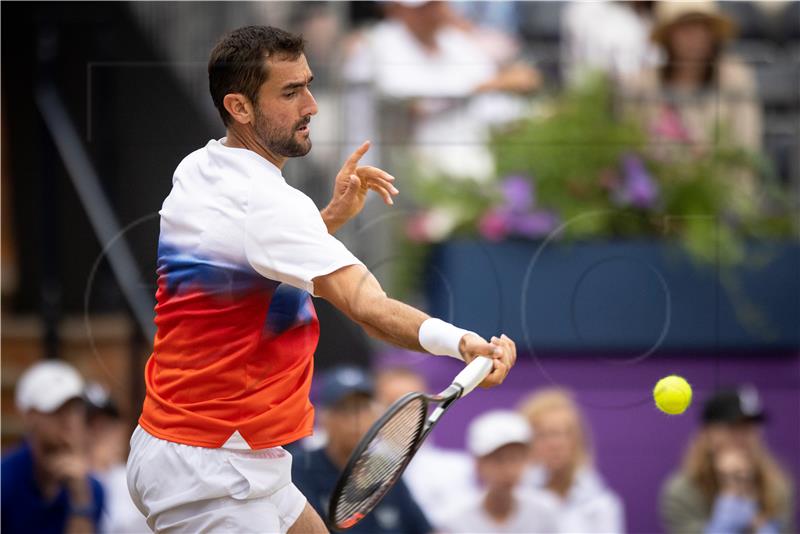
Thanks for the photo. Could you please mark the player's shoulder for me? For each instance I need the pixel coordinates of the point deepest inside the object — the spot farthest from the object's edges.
(195, 157)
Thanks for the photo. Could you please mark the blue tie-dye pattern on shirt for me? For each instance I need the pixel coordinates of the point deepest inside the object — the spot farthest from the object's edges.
(289, 307)
(184, 272)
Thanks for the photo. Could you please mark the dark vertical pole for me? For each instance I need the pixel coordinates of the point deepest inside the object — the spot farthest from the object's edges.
(48, 165)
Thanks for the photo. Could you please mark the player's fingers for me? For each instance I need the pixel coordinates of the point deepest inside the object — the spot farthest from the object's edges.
(383, 192)
(507, 356)
(498, 374)
(511, 348)
(357, 155)
(368, 170)
(380, 182)
(477, 346)
(382, 188)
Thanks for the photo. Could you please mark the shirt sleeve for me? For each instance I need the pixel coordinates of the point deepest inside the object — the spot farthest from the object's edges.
(286, 239)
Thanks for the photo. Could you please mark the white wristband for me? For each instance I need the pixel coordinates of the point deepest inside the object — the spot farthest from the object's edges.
(441, 338)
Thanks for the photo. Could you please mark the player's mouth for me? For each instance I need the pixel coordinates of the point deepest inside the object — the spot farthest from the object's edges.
(303, 128)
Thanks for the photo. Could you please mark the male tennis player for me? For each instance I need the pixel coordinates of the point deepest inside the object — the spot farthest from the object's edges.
(239, 252)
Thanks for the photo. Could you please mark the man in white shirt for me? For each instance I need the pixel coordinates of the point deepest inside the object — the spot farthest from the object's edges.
(500, 440)
(422, 58)
(240, 252)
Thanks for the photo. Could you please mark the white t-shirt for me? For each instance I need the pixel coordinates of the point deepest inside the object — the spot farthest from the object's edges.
(606, 36)
(233, 207)
(451, 136)
(534, 512)
(431, 477)
(590, 506)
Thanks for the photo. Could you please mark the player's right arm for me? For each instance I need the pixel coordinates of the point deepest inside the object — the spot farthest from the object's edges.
(286, 240)
(359, 295)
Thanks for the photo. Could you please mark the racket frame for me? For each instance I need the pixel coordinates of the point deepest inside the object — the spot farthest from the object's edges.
(467, 380)
(444, 400)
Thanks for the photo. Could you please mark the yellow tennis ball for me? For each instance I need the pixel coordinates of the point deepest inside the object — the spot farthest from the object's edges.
(672, 394)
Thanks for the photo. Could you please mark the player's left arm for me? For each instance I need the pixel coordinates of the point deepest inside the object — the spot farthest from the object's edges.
(353, 182)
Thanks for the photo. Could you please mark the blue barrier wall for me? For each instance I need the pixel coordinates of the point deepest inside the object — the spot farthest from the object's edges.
(632, 297)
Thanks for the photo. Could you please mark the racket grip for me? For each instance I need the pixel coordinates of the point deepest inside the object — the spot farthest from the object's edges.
(473, 374)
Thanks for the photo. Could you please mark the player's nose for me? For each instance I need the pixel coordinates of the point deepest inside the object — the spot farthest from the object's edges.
(310, 105)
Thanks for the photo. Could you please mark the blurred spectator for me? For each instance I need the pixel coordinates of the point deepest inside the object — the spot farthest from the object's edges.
(108, 452)
(608, 36)
(700, 97)
(500, 442)
(562, 465)
(729, 481)
(495, 24)
(348, 410)
(434, 471)
(46, 486)
(426, 61)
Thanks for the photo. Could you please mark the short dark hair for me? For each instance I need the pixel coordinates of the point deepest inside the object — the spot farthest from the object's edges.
(237, 61)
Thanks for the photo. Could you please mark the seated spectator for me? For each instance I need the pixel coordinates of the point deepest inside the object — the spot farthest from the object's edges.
(562, 465)
(348, 409)
(700, 97)
(729, 481)
(46, 486)
(108, 452)
(433, 472)
(500, 441)
(443, 81)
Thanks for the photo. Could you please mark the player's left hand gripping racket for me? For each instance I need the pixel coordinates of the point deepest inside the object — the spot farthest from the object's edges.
(385, 450)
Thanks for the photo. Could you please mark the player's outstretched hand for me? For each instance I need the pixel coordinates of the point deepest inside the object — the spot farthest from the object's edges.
(502, 350)
(353, 182)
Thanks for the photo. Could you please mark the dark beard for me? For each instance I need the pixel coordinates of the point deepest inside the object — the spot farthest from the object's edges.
(280, 142)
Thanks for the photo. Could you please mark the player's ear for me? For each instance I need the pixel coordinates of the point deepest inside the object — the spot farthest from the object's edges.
(238, 107)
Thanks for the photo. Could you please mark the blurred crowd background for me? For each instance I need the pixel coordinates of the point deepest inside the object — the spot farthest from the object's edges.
(666, 134)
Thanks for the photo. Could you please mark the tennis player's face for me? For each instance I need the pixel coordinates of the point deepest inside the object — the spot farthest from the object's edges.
(284, 108)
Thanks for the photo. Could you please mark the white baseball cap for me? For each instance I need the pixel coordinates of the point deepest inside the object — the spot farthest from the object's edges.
(497, 428)
(46, 386)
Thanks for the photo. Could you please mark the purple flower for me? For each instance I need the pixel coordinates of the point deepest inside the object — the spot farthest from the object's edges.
(638, 187)
(536, 224)
(518, 194)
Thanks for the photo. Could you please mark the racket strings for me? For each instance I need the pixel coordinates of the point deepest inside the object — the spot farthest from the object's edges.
(381, 461)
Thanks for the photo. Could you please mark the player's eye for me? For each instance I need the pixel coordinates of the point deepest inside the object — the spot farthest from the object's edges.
(290, 94)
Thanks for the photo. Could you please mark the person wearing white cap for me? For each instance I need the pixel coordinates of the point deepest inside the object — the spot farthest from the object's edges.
(500, 440)
(46, 486)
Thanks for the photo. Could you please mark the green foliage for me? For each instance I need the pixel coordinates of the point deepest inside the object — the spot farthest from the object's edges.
(566, 150)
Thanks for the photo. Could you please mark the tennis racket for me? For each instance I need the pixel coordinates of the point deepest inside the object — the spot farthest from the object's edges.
(386, 449)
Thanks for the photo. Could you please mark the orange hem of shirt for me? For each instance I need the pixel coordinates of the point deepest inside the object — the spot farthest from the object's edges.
(214, 445)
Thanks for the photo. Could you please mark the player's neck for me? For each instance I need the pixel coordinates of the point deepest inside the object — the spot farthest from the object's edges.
(246, 138)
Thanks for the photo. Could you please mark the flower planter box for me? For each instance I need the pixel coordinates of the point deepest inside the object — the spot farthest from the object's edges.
(631, 298)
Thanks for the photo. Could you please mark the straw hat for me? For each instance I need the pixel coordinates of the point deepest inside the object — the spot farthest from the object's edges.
(670, 13)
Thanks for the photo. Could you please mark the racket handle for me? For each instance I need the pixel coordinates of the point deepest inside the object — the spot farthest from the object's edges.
(473, 374)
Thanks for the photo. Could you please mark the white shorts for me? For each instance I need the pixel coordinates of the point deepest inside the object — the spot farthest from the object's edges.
(180, 488)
